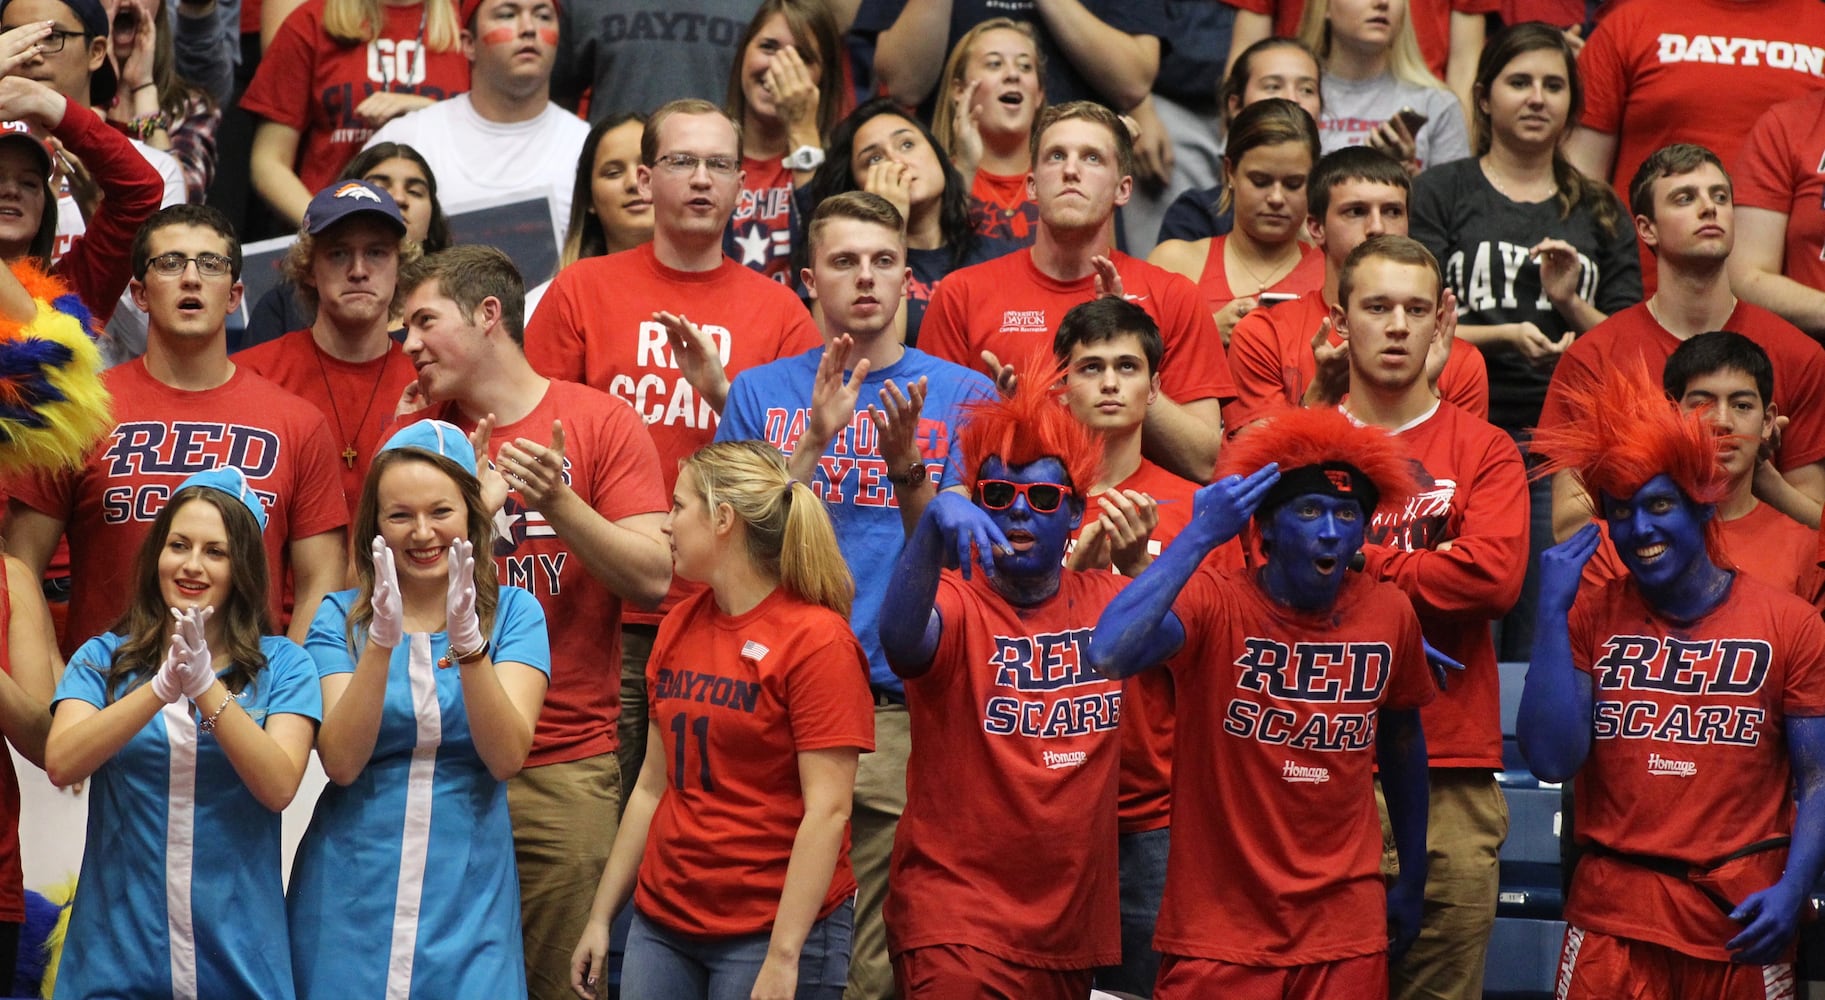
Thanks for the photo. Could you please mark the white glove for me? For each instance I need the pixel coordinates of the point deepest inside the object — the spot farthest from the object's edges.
(189, 668)
(387, 628)
(459, 600)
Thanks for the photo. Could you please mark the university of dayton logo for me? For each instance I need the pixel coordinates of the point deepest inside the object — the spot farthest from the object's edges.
(1300, 774)
(1024, 321)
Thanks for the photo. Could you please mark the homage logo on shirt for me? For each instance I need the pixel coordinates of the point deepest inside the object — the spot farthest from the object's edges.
(1688, 691)
(1047, 690)
(142, 448)
(1309, 696)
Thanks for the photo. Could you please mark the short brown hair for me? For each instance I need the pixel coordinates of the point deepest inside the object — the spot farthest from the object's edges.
(649, 141)
(858, 205)
(468, 273)
(1386, 246)
(1089, 111)
(295, 266)
(184, 214)
(1667, 161)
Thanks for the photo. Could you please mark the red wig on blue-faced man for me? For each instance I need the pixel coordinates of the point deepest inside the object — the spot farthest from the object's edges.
(1032, 424)
(1322, 451)
(1623, 432)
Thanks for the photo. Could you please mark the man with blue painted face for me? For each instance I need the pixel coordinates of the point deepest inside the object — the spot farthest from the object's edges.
(1294, 680)
(1683, 693)
(1004, 865)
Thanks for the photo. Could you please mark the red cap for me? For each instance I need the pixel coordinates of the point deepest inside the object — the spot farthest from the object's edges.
(22, 130)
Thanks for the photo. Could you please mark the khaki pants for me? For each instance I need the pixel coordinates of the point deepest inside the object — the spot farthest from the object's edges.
(636, 649)
(564, 819)
(1465, 826)
(880, 797)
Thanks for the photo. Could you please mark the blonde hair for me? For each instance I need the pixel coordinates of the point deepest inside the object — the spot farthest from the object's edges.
(789, 535)
(1405, 60)
(956, 68)
(357, 22)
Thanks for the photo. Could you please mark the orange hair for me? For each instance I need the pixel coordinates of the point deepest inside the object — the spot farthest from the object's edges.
(1624, 431)
(1298, 438)
(1028, 426)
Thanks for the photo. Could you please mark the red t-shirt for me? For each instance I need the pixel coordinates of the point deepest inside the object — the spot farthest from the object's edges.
(1687, 774)
(357, 398)
(1007, 842)
(1270, 355)
(610, 464)
(1780, 169)
(1008, 306)
(313, 83)
(1695, 71)
(1634, 333)
(760, 231)
(1763, 543)
(1431, 22)
(736, 699)
(595, 326)
(1306, 277)
(1001, 209)
(1147, 702)
(1473, 494)
(1276, 844)
(161, 437)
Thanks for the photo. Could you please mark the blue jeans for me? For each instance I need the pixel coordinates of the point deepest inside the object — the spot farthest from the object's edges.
(660, 965)
(1143, 880)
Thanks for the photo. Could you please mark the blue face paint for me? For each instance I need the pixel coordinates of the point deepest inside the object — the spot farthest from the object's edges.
(1310, 541)
(1659, 533)
(1029, 573)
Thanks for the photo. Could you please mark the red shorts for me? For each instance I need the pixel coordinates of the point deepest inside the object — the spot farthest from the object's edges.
(1364, 977)
(959, 972)
(1597, 966)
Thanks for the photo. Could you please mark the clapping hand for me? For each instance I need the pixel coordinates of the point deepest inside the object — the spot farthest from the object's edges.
(464, 626)
(188, 669)
(386, 628)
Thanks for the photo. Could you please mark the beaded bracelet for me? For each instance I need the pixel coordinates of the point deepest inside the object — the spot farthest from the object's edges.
(143, 127)
(208, 725)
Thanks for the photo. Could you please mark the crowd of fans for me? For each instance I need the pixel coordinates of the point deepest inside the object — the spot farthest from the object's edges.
(680, 453)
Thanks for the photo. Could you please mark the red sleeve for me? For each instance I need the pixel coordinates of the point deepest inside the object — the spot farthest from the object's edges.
(630, 482)
(944, 332)
(801, 332)
(317, 504)
(1476, 6)
(1465, 381)
(49, 492)
(1575, 368)
(1801, 366)
(1411, 684)
(1761, 176)
(1194, 366)
(1254, 364)
(1480, 576)
(1600, 66)
(554, 338)
(281, 88)
(98, 264)
(827, 696)
(1803, 646)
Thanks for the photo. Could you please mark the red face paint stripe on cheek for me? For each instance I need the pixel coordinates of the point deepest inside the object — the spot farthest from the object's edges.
(499, 36)
(548, 35)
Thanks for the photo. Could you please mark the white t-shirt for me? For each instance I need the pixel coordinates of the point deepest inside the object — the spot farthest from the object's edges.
(126, 337)
(480, 163)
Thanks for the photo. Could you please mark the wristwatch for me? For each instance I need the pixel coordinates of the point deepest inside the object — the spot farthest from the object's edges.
(915, 475)
(804, 158)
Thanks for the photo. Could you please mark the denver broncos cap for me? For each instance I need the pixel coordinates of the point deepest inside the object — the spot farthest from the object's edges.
(345, 198)
(232, 481)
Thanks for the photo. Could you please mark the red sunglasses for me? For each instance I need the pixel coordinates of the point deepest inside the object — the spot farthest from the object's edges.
(999, 494)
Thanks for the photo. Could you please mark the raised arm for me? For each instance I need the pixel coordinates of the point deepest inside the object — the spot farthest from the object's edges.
(952, 531)
(1139, 629)
(909, 55)
(833, 403)
(1121, 66)
(1554, 724)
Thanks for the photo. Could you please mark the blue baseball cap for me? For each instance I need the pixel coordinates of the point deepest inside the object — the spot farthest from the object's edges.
(343, 199)
(438, 438)
(232, 481)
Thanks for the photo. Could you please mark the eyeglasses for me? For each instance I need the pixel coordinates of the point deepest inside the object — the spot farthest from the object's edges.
(685, 164)
(999, 494)
(53, 42)
(210, 265)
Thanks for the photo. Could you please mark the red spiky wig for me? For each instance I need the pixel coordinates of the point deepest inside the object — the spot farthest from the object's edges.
(1623, 432)
(1028, 426)
(1321, 439)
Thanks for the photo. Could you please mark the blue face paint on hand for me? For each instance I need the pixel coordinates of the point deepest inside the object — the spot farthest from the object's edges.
(1659, 533)
(1310, 541)
(1036, 538)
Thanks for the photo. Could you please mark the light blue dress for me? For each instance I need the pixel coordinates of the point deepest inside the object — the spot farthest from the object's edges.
(180, 894)
(404, 884)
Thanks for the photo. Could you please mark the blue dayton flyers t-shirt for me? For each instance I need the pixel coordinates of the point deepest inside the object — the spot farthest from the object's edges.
(772, 403)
